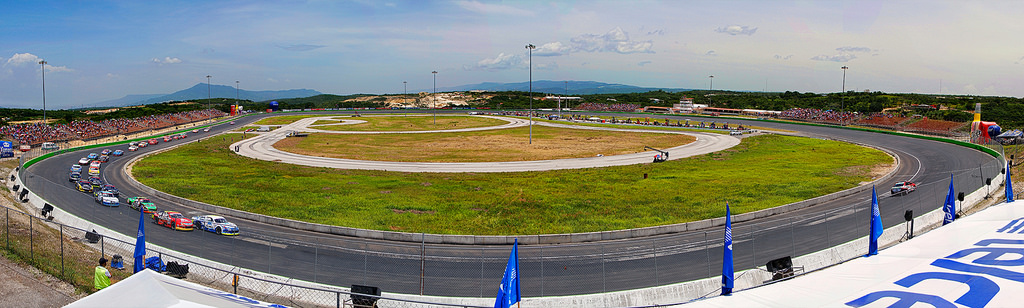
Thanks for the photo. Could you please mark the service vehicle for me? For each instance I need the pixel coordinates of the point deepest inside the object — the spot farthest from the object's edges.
(117, 153)
(903, 188)
(215, 224)
(107, 198)
(173, 220)
(142, 204)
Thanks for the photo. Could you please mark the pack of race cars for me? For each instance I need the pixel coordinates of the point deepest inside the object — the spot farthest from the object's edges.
(108, 195)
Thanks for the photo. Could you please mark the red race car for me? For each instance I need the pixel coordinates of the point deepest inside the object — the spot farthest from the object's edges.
(173, 220)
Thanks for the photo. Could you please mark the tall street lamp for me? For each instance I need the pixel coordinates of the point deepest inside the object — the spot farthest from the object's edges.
(236, 92)
(434, 105)
(711, 88)
(42, 66)
(531, 48)
(208, 96)
(566, 96)
(842, 106)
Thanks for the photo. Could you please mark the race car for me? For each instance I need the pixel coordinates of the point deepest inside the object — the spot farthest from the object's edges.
(106, 198)
(153, 141)
(84, 161)
(215, 224)
(111, 189)
(142, 144)
(76, 168)
(133, 148)
(167, 139)
(96, 164)
(95, 181)
(103, 158)
(93, 156)
(195, 131)
(105, 152)
(206, 129)
(84, 186)
(117, 153)
(173, 220)
(74, 176)
(94, 170)
(142, 204)
(903, 188)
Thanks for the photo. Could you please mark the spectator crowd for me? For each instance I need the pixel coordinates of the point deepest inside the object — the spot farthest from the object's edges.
(35, 133)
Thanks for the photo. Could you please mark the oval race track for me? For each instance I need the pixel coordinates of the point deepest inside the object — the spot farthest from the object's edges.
(474, 271)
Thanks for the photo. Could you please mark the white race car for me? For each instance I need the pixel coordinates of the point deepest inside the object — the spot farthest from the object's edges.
(215, 224)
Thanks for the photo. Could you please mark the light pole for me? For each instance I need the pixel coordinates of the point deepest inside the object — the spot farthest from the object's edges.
(842, 105)
(711, 88)
(433, 106)
(531, 48)
(566, 95)
(42, 66)
(236, 92)
(208, 96)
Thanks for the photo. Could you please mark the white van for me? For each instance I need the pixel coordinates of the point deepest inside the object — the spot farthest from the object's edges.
(50, 146)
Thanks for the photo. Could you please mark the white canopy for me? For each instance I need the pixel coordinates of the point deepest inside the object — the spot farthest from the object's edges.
(151, 289)
(976, 261)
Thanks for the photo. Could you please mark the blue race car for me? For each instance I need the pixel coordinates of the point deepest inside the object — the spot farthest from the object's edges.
(215, 224)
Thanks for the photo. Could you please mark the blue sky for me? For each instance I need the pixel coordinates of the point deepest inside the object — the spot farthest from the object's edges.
(100, 50)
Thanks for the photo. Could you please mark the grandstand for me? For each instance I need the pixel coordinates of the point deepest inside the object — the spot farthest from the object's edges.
(37, 133)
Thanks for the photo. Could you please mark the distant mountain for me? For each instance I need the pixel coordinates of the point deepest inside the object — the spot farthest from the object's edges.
(559, 87)
(201, 91)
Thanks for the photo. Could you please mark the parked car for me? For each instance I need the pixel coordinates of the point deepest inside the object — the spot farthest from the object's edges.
(107, 198)
(215, 224)
(117, 153)
(903, 188)
(142, 204)
(173, 220)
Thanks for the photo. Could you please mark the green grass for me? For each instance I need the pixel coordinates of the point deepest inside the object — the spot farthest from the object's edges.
(413, 123)
(288, 119)
(762, 172)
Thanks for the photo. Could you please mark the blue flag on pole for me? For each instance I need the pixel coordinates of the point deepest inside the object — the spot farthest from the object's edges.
(876, 225)
(1009, 185)
(140, 245)
(949, 207)
(727, 270)
(508, 292)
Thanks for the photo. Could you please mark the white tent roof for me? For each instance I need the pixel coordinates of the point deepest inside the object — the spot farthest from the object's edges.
(151, 289)
(976, 261)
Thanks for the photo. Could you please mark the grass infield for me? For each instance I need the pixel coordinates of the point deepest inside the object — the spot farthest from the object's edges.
(417, 122)
(762, 172)
(480, 146)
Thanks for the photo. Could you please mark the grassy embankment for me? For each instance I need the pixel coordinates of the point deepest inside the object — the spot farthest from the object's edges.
(762, 172)
(37, 245)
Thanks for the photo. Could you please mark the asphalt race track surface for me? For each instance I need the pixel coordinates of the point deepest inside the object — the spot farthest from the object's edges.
(582, 268)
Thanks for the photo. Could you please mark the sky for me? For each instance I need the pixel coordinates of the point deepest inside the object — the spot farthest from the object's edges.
(102, 50)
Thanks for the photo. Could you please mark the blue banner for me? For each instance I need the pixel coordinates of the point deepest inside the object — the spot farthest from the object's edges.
(508, 291)
(876, 225)
(727, 266)
(1010, 186)
(140, 244)
(949, 207)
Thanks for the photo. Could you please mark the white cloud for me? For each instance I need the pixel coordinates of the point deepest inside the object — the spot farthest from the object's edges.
(166, 60)
(552, 49)
(656, 32)
(22, 58)
(736, 30)
(300, 47)
(642, 63)
(843, 57)
(1019, 60)
(501, 62)
(615, 40)
(846, 49)
(112, 75)
(487, 8)
(779, 57)
(710, 53)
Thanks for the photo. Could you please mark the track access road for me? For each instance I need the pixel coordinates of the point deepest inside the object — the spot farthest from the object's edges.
(547, 270)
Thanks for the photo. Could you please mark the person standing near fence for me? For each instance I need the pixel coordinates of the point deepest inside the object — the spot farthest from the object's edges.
(101, 279)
